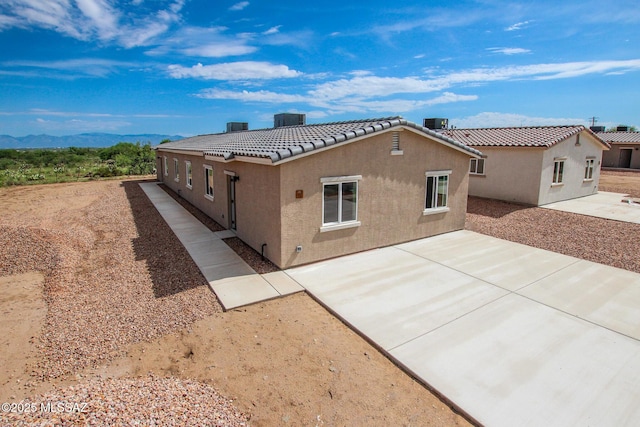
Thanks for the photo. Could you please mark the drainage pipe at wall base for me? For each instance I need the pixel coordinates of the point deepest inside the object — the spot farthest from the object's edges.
(262, 251)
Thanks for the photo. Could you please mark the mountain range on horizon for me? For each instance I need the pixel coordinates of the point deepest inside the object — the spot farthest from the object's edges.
(97, 140)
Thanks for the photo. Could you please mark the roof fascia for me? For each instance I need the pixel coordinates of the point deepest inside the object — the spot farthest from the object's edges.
(186, 152)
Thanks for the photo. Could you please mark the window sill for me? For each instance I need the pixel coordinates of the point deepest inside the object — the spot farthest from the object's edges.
(331, 227)
(481, 175)
(397, 152)
(208, 197)
(176, 179)
(190, 187)
(435, 211)
(557, 184)
(587, 180)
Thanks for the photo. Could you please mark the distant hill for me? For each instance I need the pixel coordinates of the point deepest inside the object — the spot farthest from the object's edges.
(80, 140)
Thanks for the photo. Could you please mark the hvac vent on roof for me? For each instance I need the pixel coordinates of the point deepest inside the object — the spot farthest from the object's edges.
(436, 124)
(288, 119)
(237, 126)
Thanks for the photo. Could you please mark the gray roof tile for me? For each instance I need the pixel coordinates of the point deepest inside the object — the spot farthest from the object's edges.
(284, 142)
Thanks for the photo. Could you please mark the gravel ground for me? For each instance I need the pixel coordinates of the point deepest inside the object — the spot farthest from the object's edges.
(604, 241)
(147, 401)
(128, 295)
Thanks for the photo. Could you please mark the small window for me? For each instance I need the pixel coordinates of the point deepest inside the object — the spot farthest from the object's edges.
(189, 174)
(437, 192)
(208, 182)
(166, 166)
(176, 170)
(476, 167)
(339, 202)
(558, 171)
(588, 169)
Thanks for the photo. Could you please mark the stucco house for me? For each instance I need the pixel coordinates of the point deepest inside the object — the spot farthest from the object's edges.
(625, 150)
(310, 192)
(533, 165)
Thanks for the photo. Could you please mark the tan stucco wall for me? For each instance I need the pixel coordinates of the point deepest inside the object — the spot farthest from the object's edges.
(574, 185)
(391, 196)
(216, 208)
(257, 205)
(611, 158)
(511, 174)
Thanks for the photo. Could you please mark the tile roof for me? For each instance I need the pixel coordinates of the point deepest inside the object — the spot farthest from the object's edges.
(620, 137)
(538, 136)
(281, 143)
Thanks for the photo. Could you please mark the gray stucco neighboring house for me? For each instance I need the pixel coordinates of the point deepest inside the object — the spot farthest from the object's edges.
(309, 192)
(625, 150)
(533, 165)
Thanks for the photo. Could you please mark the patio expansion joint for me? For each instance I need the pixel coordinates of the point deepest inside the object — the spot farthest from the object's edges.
(509, 292)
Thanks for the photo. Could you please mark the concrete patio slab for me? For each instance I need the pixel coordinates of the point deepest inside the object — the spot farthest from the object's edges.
(557, 346)
(396, 296)
(517, 362)
(603, 205)
(590, 291)
(511, 266)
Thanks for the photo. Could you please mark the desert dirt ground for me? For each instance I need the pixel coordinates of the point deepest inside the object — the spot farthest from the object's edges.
(96, 292)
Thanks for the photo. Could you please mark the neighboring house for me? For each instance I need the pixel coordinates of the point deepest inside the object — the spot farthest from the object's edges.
(533, 165)
(311, 192)
(625, 150)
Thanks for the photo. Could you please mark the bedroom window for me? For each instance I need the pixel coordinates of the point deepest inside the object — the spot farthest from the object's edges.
(437, 192)
(176, 170)
(189, 174)
(340, 202)
(208, 182)
(166, 166)
(558, 171)
(588, 169)
(476, 167)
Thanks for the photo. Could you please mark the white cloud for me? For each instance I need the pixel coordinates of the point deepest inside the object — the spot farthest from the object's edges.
(94, 67)
(239, 6)
(508, 50)
(494, 119)
(211, 42)
(246, 96)
(363, 92)
(273, 30)
(518, 26)
(243, 70)
(90, 19)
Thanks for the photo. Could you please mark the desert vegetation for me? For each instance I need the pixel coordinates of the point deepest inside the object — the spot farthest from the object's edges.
(40, 166)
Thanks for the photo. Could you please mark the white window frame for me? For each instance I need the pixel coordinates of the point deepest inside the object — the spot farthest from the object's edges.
(176, 170)
(166, 166)
(475, 165)
(589, 168)
(434, 194)
(339, 180)
(208, 190)
(188, 172)
(558, 171)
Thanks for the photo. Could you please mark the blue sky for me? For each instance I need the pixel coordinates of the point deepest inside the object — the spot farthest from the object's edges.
(190, 66)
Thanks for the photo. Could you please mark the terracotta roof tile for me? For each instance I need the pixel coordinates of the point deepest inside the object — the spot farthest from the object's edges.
(620, 137)
(538, 136)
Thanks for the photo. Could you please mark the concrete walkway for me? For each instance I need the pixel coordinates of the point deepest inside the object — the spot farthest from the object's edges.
(511, 334)
(601, 205)
(233, 281)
